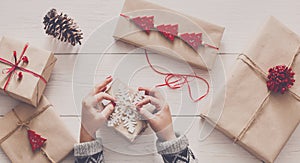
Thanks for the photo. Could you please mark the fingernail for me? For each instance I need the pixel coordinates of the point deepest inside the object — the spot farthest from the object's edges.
(108, 77)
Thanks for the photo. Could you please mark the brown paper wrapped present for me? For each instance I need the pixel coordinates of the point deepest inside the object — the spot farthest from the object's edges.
(257, 118)
(25, 75)
(128, 32)
(125, 119)
(44, 121)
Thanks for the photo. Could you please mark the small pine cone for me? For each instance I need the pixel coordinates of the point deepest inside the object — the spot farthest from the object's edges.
(62, 27)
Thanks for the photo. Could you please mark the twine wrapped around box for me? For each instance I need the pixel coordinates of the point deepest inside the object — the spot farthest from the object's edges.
(25, 70)
(20, 129)
(261, 116)
(184, 47)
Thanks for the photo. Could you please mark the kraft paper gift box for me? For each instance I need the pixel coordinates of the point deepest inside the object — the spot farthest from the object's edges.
(44, 121)
(125, 119)
(128, 32)
(35, 73)
(259, 120)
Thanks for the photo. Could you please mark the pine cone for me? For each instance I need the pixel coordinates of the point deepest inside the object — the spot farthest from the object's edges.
(62, 27)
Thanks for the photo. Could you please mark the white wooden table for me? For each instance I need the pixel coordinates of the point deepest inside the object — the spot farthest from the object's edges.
(23, 20)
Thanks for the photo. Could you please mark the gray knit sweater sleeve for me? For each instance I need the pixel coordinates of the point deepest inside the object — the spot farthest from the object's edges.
(89, 152)
(174, 151)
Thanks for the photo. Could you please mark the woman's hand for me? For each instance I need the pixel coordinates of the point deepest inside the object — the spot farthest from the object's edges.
(94, 115)
(161, 120)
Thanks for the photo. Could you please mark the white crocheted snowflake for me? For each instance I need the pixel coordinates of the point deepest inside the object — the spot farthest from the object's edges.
(125, 112)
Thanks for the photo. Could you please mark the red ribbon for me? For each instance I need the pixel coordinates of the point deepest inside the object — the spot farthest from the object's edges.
(15, 66)
(179, 80)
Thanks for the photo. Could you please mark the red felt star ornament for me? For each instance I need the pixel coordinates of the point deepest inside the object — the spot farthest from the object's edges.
(169, 31)
(192, 39)
(36, 140)
(145, 23)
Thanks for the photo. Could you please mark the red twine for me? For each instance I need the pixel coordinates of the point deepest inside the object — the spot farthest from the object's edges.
(15, 66)
(175, 81)
(25, 59)
(20, 75)
(280, 79)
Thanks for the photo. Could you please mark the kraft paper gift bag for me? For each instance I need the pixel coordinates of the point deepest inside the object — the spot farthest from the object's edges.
(25, 70)
(128, 32)
(258, 119)
(24, 118)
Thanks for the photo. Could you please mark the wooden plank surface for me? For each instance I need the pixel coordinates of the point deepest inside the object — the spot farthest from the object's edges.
(242, 19)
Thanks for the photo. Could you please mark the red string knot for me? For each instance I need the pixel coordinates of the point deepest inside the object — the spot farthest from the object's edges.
(20, 75)
(25, 59)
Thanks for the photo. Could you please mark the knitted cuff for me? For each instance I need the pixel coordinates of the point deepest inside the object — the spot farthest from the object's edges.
(88, 148)
(172, 146)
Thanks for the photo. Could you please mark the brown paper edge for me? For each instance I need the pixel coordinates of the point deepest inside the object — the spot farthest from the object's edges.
(41, 86)
(232, 137)
(65, 126)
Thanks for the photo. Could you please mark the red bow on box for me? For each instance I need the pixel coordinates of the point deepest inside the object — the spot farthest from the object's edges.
(15, 66)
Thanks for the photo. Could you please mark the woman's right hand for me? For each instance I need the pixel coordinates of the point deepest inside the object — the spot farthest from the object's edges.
(161, 120)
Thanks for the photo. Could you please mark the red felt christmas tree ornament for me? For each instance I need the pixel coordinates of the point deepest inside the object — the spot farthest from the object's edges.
(169, 31)
(280, 79)
(145, 23)
(192, 39)
(36, 140)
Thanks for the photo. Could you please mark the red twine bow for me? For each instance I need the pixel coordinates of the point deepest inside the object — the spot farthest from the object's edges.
(15, 66)
(175, 81)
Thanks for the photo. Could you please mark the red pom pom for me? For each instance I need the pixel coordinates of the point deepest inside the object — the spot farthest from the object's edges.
(169, 31)
(25, 59)
(146, 23)
(280, 79)
(36, 141)
(20, 75)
